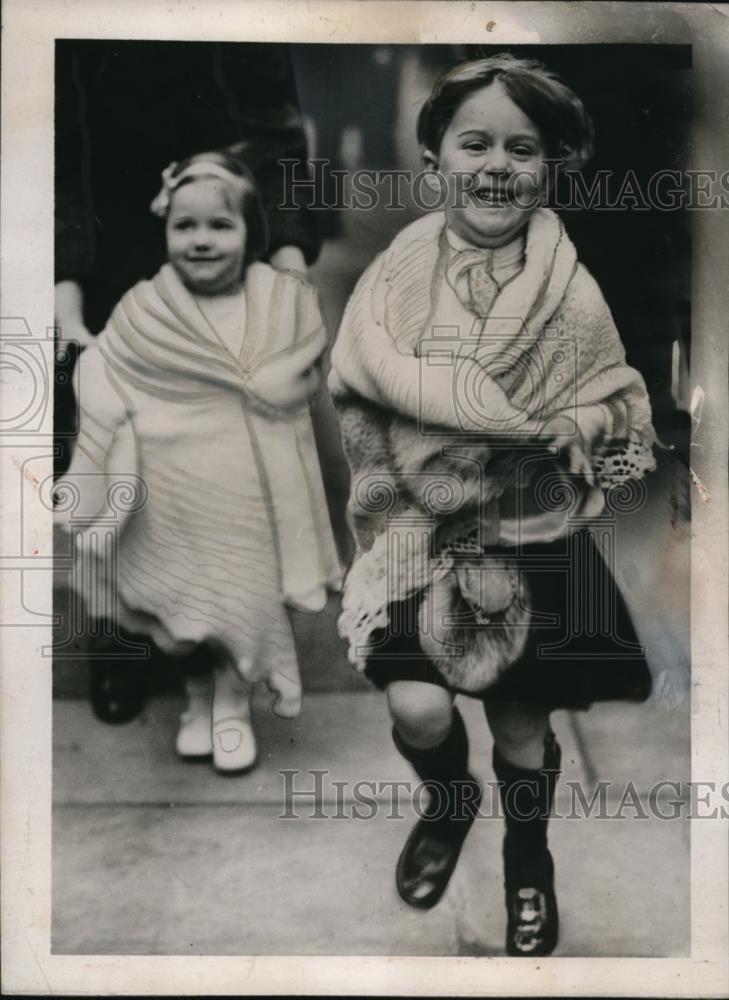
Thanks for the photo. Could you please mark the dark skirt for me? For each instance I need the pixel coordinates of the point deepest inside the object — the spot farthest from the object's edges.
(582, 646)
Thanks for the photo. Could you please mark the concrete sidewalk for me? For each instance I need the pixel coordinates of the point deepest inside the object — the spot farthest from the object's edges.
(155, 856)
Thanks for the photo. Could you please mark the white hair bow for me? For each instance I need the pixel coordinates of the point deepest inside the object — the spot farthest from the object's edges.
(161, 203)
(201, 168)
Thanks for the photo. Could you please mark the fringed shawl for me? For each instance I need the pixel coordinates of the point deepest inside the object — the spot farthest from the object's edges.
(413, 369)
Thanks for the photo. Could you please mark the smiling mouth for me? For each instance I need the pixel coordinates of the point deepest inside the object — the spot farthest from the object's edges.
(202, 260)
(493, 199)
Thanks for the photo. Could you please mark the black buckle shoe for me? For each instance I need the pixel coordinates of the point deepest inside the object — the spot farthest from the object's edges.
(532, 928)
(117, 691)
(431, 853)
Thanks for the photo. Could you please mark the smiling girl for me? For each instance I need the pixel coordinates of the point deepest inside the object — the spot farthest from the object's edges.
(199, 387)
(486, 407)
(488, 127)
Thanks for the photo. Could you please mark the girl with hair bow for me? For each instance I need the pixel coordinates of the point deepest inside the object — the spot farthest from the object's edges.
(199, 386)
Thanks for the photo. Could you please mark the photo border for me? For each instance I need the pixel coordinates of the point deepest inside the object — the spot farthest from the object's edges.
(26, 296)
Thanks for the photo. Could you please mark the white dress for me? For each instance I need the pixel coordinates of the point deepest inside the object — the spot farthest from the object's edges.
(231, 523)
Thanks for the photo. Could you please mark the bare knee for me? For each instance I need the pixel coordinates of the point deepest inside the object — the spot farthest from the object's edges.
(519, 731)
(421, 712)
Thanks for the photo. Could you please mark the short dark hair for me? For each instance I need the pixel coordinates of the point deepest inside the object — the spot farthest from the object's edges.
(251, 207)
(557, 111)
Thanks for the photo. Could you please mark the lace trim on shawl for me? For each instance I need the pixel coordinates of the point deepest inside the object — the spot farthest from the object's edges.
(377, 579)
(618, 461)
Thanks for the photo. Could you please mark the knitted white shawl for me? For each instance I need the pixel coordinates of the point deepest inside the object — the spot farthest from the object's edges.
(414, 369)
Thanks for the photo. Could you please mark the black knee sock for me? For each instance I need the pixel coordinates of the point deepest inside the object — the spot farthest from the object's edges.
(447, 765)
(526, 797)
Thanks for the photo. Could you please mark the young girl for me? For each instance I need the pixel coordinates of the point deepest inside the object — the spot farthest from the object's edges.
(199, 387)
(486, 411)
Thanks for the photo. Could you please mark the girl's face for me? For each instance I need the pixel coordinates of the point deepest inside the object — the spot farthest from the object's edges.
(206, 238)
(492, 139)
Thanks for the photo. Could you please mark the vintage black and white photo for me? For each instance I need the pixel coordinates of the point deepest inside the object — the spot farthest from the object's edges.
(378, 496)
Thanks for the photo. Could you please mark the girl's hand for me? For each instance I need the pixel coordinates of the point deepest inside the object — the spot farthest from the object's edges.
(563, 432)
(68, 310)
(289, 258)
(580, 464)
(593, 423)
(560, 430)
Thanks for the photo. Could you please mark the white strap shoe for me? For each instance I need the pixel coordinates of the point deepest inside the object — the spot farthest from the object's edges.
(234, 744)
(194, 738)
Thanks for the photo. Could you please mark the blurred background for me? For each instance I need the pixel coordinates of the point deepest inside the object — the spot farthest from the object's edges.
(359, 105)
(156, 856)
